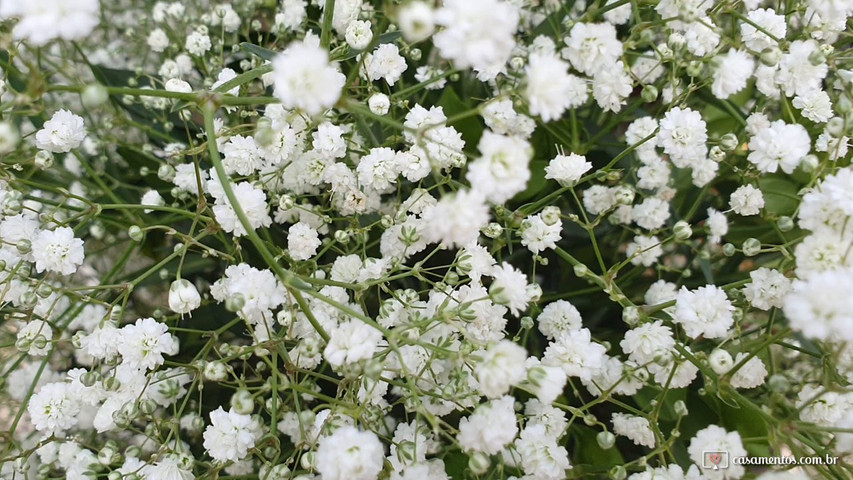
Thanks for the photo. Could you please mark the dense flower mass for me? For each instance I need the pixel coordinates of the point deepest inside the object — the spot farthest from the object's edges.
(425, 239)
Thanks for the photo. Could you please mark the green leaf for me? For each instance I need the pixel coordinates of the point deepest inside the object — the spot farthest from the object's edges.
(470, 127)
(259, 51)
(536, 183)
(587, 451)
(780, 194)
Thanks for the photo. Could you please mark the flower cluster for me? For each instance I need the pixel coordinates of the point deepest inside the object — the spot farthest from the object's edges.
(353, 240)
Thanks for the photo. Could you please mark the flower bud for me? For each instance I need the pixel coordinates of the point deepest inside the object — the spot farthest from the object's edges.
(235, 302)
(809, 163)
(183, 296)
(624, 195)
(479, 463)
(778, 383)
(286, 202)
(751, 247)
(785, 224)
(493, 230)
(581, 270)
(242, 402)
(835, 127)
(526, 323)
(680, 408)
(166, 173)
(605, 440)
(729, 142)
(721, 361)
(43, 159)
(717, 154)
(9, 137)
(93, 95)
(694, 68)
(379, 103)
(770, 56)
(551, 215)
(649, 93)
(682, 230)
(215, 371)
(135, 233)
(631, 315)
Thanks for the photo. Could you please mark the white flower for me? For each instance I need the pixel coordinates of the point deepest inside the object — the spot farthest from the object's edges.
(718, 225)
(537, 236)
(598, 198)
(644, 250)
(717, 439)
(153, 198)
(177, 85)
(41, 21)
(592, 47)
(509, 288)
(648, 341)
(558, 317)
(541, 457)
(456, 219)
(58, 251)
(378, 169)
(62, 133)
(253, 202)
(635, 428)
(490, 428)
(158, 40)
(751, 374)
(302, 241)
(545, 382)
(350, 454)
(610, 87)
(416, 21)
(567, 169)
(767, 19)
(682, 135)
(551, 89)
(576, 353)
(503, 169)
(501, 367)
(351, 342)
(732, 72)
(385, 62)
(747, 200)
(198, 42)
(650, 214)
(705, 311)
(358, 34)
(54, 408)
(183, 296)
(242, 155)
(779, 145)
(226, 75)
(797, 75)
(304, 78)
(143, 344)
(260, 290)
(768, 288)
(230, 435)
(477, 34)
(821, 306)
(814, 105)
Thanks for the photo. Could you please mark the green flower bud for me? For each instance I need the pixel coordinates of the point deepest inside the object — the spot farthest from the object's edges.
(605, 440)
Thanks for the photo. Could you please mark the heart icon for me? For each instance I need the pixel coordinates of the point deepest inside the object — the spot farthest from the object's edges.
(715, 458)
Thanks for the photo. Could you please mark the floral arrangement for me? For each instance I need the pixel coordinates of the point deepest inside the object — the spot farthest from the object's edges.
(417, 239)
